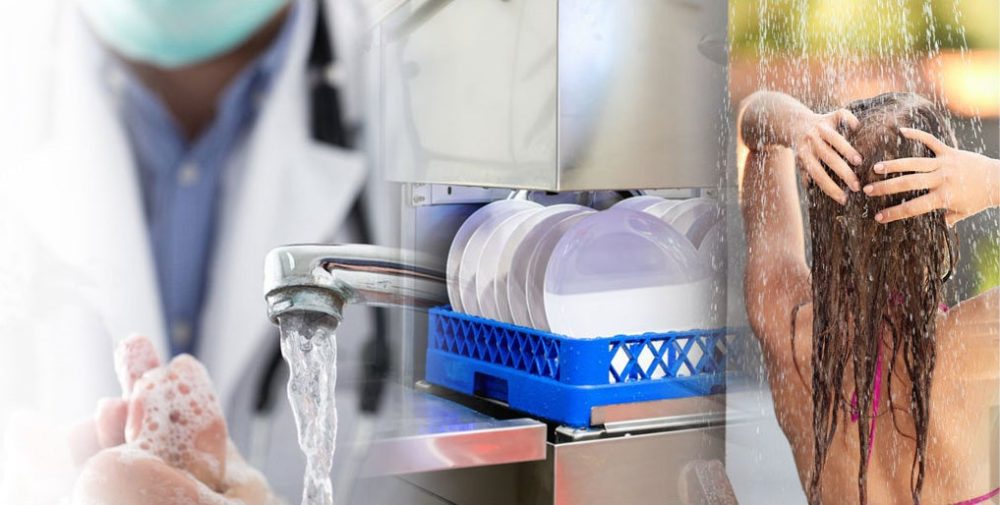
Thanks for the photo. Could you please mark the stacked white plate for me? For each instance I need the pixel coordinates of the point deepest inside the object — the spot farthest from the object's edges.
(467, 248)
(511, 266)
(573, 271)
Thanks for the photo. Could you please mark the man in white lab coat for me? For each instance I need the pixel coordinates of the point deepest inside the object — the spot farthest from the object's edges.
(146, 174)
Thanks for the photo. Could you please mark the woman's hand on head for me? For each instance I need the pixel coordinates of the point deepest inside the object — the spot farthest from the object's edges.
(817, 141)
(962, 183)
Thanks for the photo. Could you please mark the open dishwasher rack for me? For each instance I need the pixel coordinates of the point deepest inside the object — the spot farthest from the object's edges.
(562, 379)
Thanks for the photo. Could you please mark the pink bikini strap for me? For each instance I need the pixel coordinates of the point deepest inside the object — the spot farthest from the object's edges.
(876, 394)
(982, 499)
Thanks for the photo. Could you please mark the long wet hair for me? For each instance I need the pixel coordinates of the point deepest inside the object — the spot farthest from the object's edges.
(876, 288)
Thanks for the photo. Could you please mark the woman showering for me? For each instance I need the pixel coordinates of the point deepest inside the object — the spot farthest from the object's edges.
(883, 392)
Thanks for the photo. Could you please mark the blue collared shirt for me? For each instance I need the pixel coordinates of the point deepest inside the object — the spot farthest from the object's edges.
(182, 182)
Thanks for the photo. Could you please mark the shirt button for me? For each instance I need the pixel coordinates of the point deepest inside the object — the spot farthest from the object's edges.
(188, 174)
(335, 75)
(180, 334)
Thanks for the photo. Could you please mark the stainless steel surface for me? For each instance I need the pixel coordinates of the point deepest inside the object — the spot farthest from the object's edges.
(491, 485)
(421, 195)
(664, 468)
(644, 417)
(317, 278)
(554, 94)
(643, 469)
(394, 491)
(433, 434)
(660, 415)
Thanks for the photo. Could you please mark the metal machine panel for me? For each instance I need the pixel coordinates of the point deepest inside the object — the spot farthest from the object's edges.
(682, 467)
(643, 469)
(431, 433)
(554, 94)
(640, 96)
(469, 93)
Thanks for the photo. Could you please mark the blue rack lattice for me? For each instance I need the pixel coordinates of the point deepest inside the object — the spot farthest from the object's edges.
(560, 378)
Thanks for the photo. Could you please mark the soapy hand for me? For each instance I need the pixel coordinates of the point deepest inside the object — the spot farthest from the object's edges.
(165, 442)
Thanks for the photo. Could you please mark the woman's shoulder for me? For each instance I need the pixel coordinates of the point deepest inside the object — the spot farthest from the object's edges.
(969, 337)
(978, 316)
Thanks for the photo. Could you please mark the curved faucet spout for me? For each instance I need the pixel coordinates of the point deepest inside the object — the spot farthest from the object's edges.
(322, 278)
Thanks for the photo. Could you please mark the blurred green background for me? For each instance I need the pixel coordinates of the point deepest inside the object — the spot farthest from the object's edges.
(872, 27)
(828, 52)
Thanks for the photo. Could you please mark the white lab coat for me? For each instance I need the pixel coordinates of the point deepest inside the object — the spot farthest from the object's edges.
(76, 270)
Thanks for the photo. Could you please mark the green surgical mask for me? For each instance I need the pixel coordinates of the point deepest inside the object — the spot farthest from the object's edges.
(177, 33)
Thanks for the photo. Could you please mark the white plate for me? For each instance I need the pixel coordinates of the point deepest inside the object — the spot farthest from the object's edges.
(623, 272)
(486, 275)
(506, 257)
(658, 209)
(694, 218)
(713, 248)
(701, 226)
(470, 265)
(517, 279)
(461, 241)
(638, 202)
(713, 253)
(535, 286)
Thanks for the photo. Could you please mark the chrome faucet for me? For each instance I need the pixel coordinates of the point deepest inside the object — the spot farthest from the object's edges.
(321, 279)
(308, 285)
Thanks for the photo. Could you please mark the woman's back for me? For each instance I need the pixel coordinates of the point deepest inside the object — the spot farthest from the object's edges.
(962, 433)
(884, 397)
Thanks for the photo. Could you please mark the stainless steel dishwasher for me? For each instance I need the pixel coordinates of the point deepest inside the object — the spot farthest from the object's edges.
(559, 100)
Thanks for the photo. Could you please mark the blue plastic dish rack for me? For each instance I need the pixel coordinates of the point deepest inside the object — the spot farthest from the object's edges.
(559, 378)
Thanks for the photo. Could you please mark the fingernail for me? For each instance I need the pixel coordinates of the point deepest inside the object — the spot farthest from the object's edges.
(855, 186)
(879, 217)
(856, 160)
(843, 200)
(868, 189)
(879, 168)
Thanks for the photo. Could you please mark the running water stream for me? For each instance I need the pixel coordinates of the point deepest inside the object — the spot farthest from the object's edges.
(309, 345)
